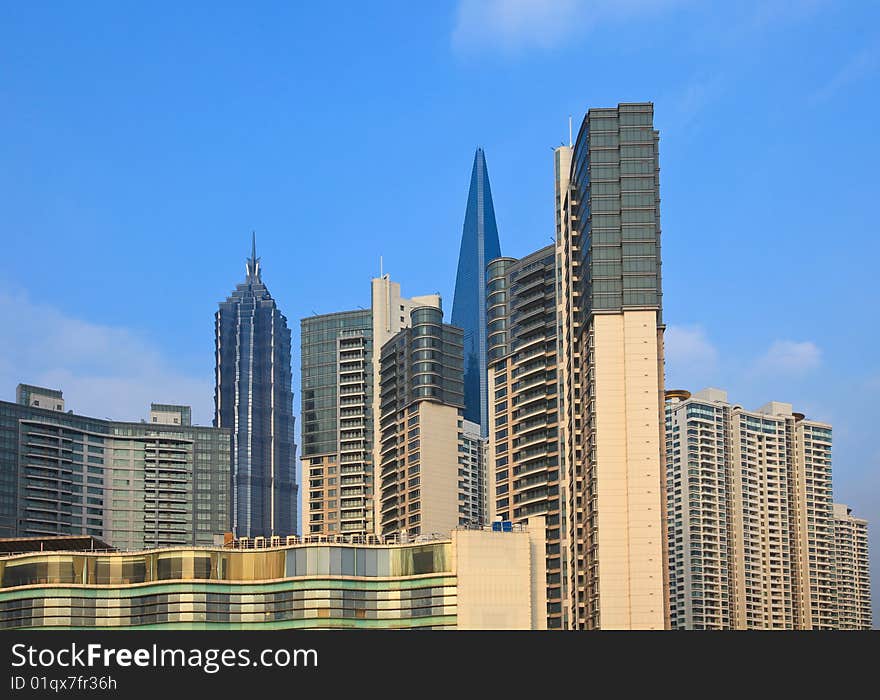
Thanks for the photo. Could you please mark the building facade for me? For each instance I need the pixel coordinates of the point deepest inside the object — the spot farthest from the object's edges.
(479, 246)
(133, 485)
(473, 506)
(254, 399)
(336, 391)
(39, 397)
(524, 473)
(852, 572)
(750, 523)
(422, 428)
(610, 333)
(340, 370)
(473, 579)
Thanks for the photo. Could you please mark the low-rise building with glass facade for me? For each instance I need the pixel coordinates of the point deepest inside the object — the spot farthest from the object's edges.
(474, 579)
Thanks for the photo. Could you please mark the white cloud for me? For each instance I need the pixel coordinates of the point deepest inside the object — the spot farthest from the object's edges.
(788, 357)
(861, 65)
(693, 97)
(691, 358)
(104, 371)
(511, 25)
(771, 12)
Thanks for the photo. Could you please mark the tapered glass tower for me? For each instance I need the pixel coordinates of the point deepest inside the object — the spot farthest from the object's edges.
(479, 245)
(253, 397)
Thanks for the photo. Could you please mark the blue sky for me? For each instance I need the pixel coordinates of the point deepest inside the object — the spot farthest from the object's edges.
(140, 145)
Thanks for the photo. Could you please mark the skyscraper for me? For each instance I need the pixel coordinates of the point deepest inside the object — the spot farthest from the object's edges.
(852, 574)
(253, 398)
(479, 246)
(422, 432)
(611, 361)
(750, 526)
(340, 405)
(524, 478)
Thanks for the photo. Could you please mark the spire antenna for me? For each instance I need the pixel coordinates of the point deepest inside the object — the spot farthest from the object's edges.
(569, 131)
(252, 267)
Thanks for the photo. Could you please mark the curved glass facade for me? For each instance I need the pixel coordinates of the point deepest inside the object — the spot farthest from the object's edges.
(225, 565)
(497, 307)
(303, 586)
(421, 362)
(340, 583)
(424, 603)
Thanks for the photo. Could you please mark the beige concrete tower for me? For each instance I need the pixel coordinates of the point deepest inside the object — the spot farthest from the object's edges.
(813, 522)
(697, 507)
(391, 314)
(421, 395)
(750, 527)
(525, 476)
(761, 513)
(608, 253)
(852, 575)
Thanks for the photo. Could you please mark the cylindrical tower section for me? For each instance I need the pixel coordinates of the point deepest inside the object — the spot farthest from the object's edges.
(427, 353)
(498, 308)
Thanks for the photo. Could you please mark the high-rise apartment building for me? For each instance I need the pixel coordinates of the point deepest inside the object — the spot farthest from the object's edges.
(524, 478)
(750, 525)
(340, 371)
(479, 246)
(254, 399)
(421, 424)
(134, 485)
(473, 505)
(610, 333)
(852, 574)
(698, 534)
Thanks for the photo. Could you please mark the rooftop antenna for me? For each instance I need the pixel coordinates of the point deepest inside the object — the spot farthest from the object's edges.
(569, 131)
(253, 263)
(380, 267)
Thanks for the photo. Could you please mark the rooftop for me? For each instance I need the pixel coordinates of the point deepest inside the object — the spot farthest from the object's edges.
(59, 543)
